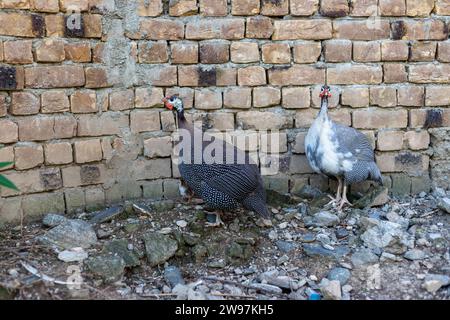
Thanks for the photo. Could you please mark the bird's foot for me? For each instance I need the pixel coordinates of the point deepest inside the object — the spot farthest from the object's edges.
(343, 202)
(218, 222)
(334, 201)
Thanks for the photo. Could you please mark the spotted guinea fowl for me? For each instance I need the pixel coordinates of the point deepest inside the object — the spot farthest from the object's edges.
(339, 152)
(231, 179)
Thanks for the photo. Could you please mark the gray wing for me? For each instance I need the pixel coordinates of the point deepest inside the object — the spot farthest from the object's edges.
(353, 141)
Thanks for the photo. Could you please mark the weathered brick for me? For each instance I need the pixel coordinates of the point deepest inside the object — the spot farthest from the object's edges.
(419, 8)
(153, 52)
(276, 53)
(15, 4)
(7, 155)
(58, 153)
(83, 101)
(54, 25)
(275, 8)
(392, 7)
(54, 77)
(317, 29)
(296, 98)
(394, 51)
(3, 105)
(18, 52)
(425, 30)
(354, 74)
(355, 97)
(186, 94)
(245, 7)
(237, 98)
(299, 143)
(226, 76)
(144, 120)
(167, 121)
(244, 52)
(437, 96)
(74, 5)
(50, 50)
(97, 77)
(417, 140)
(364, 8)
(429, 73)
(273, 142)
(230, 29)
(149, 97)
(443, 54)
(307, 52)
(410, 96)
(17, 24)
(158, 147)
(98, 53)
(443, 7)
(361, 30)
(423, 51)
(28, 156)
(92, 25)
(403, 162)
(334, 8)
(214, 52)
(45, 5)
(304, 7)
(259, 27)
(64, 127)
(366, 51)
(390, 140)
(208, 99)
(296, 75)
(383, 96)
(161, 29)
(26, 181)
(88, 151)
(108, 123)
(183, 8)
(150, 8)
(121, 100)
(221, 120)
(252, 76)
(184, 52)
(394, 73)
(152, 169)
(418, 117)
(95, 199)
(338, 51)
(266, 97)
(262, 120)
(375, 118)
(213, 8)
(333, 102)
(23, 103)
(299, 164)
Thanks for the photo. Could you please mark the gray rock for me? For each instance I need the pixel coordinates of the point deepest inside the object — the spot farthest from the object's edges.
(388, 236)
(415, 254)
(375, 198)
(340, 274)
(363, 257)
(173, 276)
(267, 288)
(70, 234)
(433, 282)
(285, 246)
(309, 192)
(341, 233)
(119, 247)
(331, 290)
(163, 205)
(325, 219)
(53, 220)
(181, 291)
(307, 237)
(195, 295)
(76, 254)
(106, 215)
(315, 250)
(109, 267)
(444, 204)
(284, 282)
(159, 247)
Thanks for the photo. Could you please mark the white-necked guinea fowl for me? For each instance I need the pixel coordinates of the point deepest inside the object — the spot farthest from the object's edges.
(223, 185)
(339, 152)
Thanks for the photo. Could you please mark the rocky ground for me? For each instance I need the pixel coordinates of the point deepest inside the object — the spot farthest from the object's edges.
(162, 250)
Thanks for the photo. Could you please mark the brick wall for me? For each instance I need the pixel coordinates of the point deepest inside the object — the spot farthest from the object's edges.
(81, 84)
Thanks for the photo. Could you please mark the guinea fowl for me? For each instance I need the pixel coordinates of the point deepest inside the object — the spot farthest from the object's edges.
(231, 179)
(339, 152)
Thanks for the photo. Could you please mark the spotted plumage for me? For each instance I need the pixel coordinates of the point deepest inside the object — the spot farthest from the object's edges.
(223, 186)
(339, 152)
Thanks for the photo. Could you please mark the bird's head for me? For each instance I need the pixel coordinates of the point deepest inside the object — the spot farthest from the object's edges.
(174, 103)
(325, 92)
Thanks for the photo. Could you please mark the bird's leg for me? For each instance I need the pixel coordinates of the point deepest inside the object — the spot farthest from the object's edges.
(335, 201)
(344, 198)
(218, 222)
